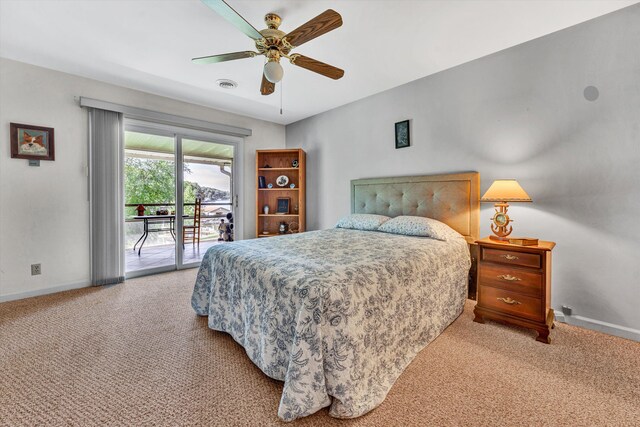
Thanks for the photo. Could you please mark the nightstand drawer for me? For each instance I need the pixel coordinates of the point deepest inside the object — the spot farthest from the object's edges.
(511, 303)
(512, 257)
(511, 279)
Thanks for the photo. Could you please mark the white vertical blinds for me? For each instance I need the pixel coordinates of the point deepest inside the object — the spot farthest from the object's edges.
(106, 164)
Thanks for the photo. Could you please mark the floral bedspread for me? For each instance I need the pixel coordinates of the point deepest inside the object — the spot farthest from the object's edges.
(336, 314)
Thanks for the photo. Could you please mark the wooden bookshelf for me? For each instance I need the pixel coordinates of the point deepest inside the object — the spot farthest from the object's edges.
(280, 162)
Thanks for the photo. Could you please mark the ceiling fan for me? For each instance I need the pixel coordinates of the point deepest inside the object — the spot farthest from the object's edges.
(275, 44)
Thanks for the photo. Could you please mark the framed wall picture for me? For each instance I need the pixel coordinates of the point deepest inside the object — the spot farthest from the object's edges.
(402, 134)
(282, 206)
(31, 142)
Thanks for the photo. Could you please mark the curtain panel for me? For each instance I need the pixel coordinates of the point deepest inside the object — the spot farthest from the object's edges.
(106, 194)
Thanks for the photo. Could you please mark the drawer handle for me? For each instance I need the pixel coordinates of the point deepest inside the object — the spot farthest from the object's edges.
(509, 301)
(510, 257)
(509, 277)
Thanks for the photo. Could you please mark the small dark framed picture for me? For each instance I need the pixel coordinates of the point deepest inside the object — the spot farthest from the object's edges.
(282, 206)
(31, 142)
(402, 134)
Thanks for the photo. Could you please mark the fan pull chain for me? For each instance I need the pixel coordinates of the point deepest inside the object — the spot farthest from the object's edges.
(281, 81)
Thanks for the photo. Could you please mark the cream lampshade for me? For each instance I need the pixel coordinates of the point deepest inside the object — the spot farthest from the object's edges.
(501, 192)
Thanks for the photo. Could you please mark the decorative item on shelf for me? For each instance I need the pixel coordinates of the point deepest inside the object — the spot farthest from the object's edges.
(293, 227)
(295, 209)
(261, 182)
(162, 212)
(140, 210)
(282, 181)
(31, 142)
(402, 134)
(269, 185)
(524, 241)
(283, 205)
(265, 209)
(282, 229)
(292, 185)
(501, 192)
(266, 166)
(295, 163)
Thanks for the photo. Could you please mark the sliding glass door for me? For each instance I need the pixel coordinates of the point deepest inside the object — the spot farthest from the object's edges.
(207, 196)
(150, 194)
(181, 196)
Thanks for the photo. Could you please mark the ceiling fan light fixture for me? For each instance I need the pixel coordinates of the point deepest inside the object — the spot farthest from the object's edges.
(273, 71)
(275, 44)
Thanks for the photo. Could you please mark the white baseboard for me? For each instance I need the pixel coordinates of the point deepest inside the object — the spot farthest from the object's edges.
(43, 291)
(598, 325)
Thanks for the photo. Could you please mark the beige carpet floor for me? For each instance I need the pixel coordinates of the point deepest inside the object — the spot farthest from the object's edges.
(136, 354)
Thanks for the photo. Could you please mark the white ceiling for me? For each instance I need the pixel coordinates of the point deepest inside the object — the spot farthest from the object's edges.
(148, 44)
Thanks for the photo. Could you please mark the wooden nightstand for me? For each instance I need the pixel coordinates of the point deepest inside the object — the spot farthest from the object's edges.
(514, 285)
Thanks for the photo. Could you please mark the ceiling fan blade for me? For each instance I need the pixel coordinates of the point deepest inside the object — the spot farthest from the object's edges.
(321, 24)
(267, 88)
(228, 13)
(316, 66)
(213, 59)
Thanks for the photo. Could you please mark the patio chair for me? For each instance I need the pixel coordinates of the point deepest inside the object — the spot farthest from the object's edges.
(192, 232)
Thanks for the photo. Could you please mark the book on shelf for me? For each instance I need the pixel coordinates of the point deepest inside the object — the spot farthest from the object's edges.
(524, 241)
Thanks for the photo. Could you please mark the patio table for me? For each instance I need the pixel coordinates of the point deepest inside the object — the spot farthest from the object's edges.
(155, 218)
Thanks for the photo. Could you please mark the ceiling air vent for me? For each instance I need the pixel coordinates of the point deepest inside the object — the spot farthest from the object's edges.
(226, 84)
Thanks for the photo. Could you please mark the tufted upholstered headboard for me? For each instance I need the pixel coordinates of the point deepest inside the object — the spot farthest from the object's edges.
(451, 198)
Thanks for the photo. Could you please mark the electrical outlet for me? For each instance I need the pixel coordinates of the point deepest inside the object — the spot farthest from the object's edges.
(36, 269)
(566, 310)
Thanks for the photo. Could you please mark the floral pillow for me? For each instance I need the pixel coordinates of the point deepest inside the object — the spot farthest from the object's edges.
(418, 226)
(368, 222)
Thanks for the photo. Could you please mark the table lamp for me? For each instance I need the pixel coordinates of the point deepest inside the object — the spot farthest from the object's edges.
(501, 192)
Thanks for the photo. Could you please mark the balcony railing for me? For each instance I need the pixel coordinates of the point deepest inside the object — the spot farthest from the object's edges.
(208, 222)
(135, 205)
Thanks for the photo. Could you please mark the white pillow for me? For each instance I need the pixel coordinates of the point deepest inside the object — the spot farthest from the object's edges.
(368, 222)
(418, 226)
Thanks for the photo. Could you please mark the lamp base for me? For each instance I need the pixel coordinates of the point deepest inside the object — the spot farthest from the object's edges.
(500, 227)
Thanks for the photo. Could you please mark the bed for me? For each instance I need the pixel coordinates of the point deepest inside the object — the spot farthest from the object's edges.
(338, 314)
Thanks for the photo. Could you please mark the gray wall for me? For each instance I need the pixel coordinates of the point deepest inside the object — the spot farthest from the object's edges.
(520, 113)
(44, 211)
